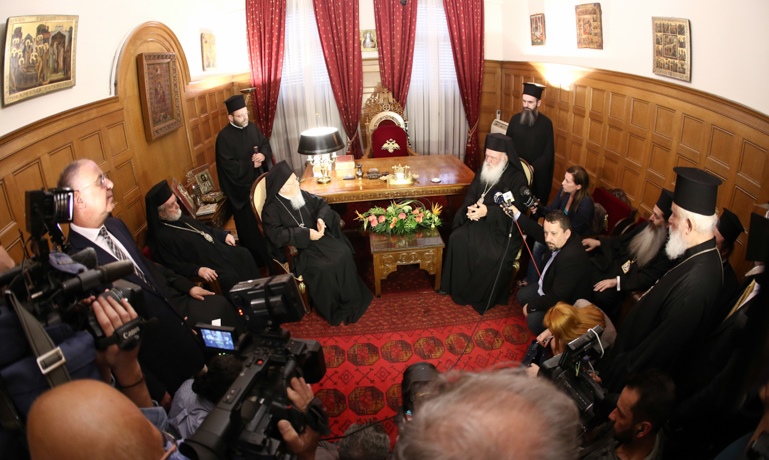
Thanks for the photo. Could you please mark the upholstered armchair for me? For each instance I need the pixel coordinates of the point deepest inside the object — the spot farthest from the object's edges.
(386, 130)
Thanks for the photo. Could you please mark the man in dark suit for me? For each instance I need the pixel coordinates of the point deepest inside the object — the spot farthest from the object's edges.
(567, 274)
(170, 353)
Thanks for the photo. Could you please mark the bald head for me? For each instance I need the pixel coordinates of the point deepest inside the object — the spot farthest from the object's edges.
(87, 419)
(93, 192)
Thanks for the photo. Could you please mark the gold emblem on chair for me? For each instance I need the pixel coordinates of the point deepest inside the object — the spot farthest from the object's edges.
(391, 145)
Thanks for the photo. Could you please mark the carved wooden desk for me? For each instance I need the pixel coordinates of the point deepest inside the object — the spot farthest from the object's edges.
(455, 178)
(423, 247)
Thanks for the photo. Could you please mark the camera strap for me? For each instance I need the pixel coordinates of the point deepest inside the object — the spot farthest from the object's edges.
(50, 360)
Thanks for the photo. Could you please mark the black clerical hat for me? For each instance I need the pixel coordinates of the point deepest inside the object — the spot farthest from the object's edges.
(503, 143)
(277, 177)
(235, 102)
(665, 203)
(729, 226)
(158, 194)
(533, 89)
(696, 190)
(758, 239)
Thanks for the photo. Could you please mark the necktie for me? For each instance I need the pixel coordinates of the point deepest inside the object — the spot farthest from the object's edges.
(119, 254)
(544, 270)
(743, 298)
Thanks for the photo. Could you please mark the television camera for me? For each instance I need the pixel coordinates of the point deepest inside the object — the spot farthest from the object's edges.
(51, 284)
(244, 422)
(571, 371)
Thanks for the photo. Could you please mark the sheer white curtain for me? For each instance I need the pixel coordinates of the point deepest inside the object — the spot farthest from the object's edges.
(437, 122)
(304, 89)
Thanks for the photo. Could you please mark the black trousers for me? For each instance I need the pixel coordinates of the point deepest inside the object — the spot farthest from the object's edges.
(250, 237)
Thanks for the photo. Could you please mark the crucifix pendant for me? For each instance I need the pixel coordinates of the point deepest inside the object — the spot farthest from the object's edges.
(208, 237)
(480, 200)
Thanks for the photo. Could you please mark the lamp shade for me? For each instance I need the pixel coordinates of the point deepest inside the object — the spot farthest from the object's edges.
(317, 141)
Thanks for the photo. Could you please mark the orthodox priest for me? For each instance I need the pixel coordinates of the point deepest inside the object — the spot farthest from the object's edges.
(483, 243)
(242, 155)
(191, 248)
(294, 217)
(532, 134)
(677, 314)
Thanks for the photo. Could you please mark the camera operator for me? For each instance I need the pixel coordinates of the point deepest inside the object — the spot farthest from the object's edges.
(633, 430)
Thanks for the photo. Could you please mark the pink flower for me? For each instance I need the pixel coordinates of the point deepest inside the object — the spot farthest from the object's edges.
(421, 215)
(415, 212)
(419, 218)
(372, 220)
(402, 216)
(382, 219)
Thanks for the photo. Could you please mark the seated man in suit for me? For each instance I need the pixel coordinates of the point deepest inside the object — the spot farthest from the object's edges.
(632, 262)
(565, 276)
(294, 217)
(170, 353)
(192, 248)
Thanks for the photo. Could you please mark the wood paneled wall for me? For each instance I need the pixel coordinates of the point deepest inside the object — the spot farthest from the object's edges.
(630, 132)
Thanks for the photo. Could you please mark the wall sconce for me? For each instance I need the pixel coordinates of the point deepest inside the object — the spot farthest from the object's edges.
(321, 144)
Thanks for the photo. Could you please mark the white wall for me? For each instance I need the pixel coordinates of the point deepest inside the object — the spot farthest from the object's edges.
(102, 27)
(730, 40)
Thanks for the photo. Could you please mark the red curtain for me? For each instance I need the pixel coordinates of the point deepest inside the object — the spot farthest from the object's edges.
(266, 26)
(465, 21)
(396, 27)
(338, 25)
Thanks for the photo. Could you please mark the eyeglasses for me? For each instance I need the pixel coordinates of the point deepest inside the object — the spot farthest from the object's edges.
(100, 181)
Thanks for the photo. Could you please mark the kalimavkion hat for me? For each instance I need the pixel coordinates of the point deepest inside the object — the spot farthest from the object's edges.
(729, 226)
(758, 239)
(696, 190)
(235, 102)
(276, 178)
(158, 194)
(665, 203)
(533, 89)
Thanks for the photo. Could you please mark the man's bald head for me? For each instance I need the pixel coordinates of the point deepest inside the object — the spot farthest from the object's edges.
(86, 419)
(93, 192)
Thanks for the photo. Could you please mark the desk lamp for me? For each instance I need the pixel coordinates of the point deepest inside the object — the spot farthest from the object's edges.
(321, 144)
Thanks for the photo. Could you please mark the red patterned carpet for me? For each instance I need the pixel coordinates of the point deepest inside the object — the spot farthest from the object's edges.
(408, 324)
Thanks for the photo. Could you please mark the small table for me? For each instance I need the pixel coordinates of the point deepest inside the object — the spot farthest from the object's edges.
(423, 247)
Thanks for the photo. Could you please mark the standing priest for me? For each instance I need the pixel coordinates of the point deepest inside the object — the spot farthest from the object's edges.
(483, 243)
(242, 155)
(191, 248)
(676, 315)
(294, 217)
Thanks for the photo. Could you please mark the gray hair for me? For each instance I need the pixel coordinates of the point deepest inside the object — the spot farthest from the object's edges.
(371, 443)
(700, 222)
(69, 175)
(491, 415)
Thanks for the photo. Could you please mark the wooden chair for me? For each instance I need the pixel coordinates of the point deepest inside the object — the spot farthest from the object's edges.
(258, 198)
(386, 130)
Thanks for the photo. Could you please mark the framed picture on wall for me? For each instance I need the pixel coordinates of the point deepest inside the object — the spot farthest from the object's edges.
(368, 40)
(589, 26)
(672, 48)
(208, 50)
(159, 93)
(537, 29)
(39, 56)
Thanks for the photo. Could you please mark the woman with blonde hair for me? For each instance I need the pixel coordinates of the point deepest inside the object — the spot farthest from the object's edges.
(566, 322)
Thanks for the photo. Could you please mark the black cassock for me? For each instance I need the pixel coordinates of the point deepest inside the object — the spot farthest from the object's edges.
(536, 145)
(178, 247)
(671, 321)
(476, 248)
(327, 264)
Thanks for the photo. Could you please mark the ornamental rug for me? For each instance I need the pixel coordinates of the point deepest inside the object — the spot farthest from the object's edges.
(410, 323)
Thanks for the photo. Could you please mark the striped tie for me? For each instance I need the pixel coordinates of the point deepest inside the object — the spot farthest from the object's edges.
(119, 254)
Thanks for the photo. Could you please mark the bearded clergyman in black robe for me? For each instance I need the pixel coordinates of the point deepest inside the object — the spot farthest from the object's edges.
(483, 244)
(532, 134)
(670, 322)
(294, 217)
(191, 248)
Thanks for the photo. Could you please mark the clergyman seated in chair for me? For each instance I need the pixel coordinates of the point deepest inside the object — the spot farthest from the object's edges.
(294, 217)
(192, 248)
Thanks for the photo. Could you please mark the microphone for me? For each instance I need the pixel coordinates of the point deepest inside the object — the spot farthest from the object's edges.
(104, 274)
(504, 198)
(529, 200)
(86, 257)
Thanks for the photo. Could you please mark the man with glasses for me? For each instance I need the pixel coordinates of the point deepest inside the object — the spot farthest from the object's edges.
(170, 353)
(242, 155)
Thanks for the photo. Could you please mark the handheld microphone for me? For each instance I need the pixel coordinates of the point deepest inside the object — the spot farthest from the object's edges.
(529, 200)
(505, 198)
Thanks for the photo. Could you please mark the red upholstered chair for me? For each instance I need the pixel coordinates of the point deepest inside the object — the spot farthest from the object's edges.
(388, 141)
(384, 126)
(618, 213)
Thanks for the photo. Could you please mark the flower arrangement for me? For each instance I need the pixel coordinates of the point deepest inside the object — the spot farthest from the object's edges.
(401, 218)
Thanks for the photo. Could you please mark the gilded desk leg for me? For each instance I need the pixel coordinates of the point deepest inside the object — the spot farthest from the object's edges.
(438, 267)
(378, 275)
